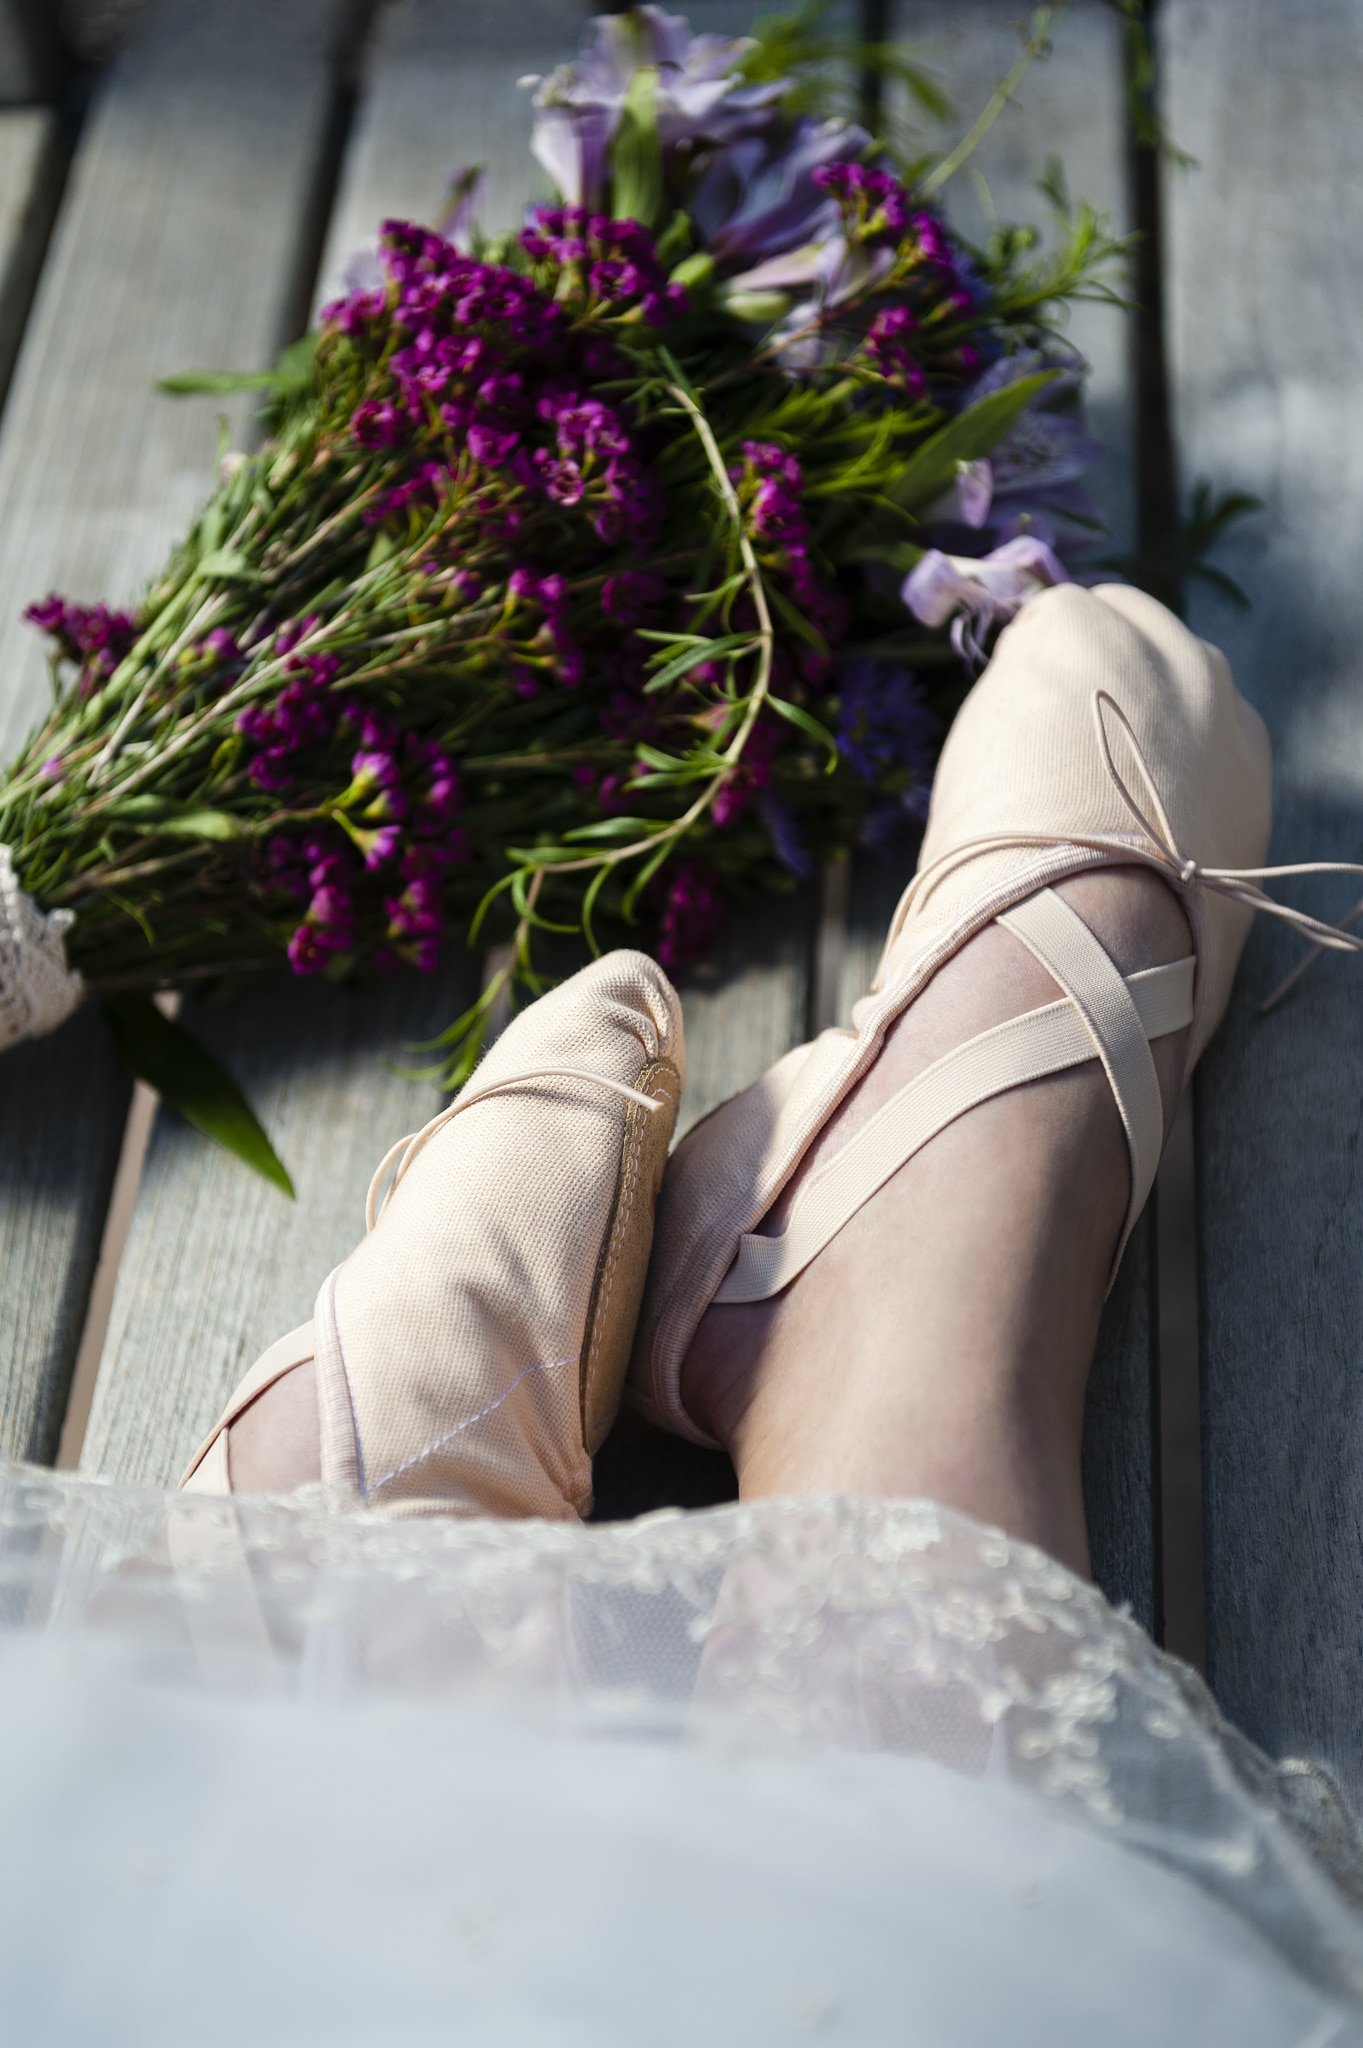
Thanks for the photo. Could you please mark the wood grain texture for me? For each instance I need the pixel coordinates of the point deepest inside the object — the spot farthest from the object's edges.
(1266, 298)
(61, 1119)
(174, 247)
(218, 1264)
(1070, 105)
(50, 1205)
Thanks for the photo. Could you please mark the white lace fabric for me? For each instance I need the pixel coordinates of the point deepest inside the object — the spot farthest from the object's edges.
(38, 991)
(782, 1629)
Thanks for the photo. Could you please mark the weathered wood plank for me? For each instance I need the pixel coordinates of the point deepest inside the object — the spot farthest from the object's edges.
(1070, 106)
(37, 1185)
(217, 1264)
(1265, 302)
(173, 248)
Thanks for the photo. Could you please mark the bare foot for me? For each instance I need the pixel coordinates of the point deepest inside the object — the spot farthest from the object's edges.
(940, 1344)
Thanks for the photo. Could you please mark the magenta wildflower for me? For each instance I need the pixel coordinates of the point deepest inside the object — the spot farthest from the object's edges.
(891, 350)
(92, 636)
(693, 912)
(876, 207)
(613, 263)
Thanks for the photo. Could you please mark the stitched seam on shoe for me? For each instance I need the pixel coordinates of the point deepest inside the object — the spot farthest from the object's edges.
(635, 1128)
(544, 1365)
(629, 1187)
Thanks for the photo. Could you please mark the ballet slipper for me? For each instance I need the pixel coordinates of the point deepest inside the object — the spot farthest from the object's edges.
(1102, 733)
(469, 1354)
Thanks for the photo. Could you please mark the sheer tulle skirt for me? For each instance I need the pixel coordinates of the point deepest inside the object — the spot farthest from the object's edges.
(740, 1717)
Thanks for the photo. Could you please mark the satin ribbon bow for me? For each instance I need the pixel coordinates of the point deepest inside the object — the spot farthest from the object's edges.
(1240, 884)
(1161, 852)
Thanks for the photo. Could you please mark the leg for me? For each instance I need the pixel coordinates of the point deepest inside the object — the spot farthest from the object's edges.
(940, 1344)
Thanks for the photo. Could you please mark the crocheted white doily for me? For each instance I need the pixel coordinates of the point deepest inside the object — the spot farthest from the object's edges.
(38, 991)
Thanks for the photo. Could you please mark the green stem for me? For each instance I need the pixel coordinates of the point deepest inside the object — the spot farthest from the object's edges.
(1038, 40)
(765, 638)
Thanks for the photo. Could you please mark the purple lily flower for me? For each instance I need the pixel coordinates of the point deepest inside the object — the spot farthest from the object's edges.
(464, 193)
(788, 291)
(978, 595)
(363, 272)
(757, 199)
(1042, 459)
(573, 145)
(970, 498)
(701, 95)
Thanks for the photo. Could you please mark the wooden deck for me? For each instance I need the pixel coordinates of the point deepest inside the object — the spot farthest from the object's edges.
(225, 166)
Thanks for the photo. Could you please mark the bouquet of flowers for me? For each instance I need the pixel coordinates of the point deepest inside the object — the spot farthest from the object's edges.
(587, 577)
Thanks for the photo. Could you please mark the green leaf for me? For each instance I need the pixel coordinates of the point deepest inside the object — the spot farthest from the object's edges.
(613, 828)
(294, 369)
(292, 373)
(643, 878)
(203, 824)
(1220, 579)
(525, 910)
(532, 857)
(380, 548)
(215, 383)
(931, 469)
(695, 657)
(675, 240)
(654, 757)
(226, 756)
(694, 273)
(810, 727)
(900, 555)
(636, 153)
(187, 1077)
(229, 563)
(594, 888)
(199, 823)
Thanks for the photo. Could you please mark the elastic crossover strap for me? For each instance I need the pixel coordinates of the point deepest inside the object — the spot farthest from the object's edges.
(1026, 1048)
(1058, 937)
